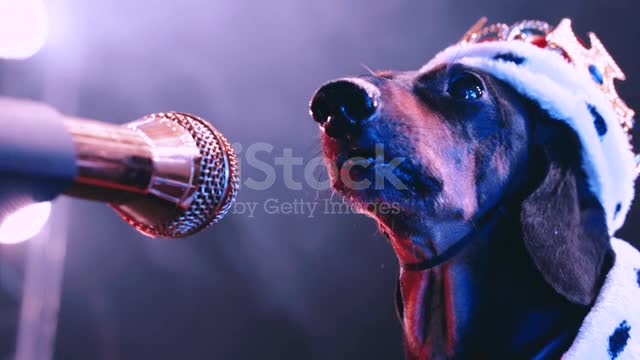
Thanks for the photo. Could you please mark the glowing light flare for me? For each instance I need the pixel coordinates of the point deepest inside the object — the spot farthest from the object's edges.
(24, 28)
(25, 223)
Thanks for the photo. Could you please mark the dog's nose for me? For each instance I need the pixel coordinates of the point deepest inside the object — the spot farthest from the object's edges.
(340, 107)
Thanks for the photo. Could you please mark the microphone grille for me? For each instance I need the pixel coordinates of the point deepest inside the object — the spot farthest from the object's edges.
(216, 184)
(218, 180)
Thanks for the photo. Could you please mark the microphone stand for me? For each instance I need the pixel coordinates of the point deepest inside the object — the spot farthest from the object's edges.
(43, 288)
(45, 258)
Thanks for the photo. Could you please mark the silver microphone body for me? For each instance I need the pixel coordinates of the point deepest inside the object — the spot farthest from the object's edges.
(167, 174)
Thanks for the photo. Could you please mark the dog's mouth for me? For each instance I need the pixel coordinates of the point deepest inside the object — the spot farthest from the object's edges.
(382, 171)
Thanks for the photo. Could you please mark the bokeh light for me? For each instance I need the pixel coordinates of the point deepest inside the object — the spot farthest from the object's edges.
(24, 28)
(25, 223)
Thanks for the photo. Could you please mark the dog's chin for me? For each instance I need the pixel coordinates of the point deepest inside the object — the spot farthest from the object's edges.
(413, 213)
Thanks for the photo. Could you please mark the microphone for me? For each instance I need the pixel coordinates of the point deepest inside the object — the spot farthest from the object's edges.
(167, 174)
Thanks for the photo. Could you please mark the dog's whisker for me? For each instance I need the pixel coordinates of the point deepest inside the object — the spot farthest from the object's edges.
(370, 71)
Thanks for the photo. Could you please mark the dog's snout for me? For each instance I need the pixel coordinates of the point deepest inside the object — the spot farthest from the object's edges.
(341, 107)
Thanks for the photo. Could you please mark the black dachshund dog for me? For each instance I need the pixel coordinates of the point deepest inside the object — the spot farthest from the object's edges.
(502, 244)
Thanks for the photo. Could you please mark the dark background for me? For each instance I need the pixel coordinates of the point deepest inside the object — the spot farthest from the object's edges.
(271, 286)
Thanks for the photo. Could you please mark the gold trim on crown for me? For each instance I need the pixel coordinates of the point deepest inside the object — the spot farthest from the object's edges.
(598, 63)
(595, 62)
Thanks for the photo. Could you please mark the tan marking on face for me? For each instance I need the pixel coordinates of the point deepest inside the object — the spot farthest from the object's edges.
(460, 185)
(436, 147)
(499, 162)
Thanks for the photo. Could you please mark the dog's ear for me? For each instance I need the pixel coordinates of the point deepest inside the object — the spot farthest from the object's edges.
(564, 225)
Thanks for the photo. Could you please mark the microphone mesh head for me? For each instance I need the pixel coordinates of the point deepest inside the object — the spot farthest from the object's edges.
(217, 182)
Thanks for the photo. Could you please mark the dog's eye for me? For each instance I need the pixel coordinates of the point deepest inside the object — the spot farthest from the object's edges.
(466, 86)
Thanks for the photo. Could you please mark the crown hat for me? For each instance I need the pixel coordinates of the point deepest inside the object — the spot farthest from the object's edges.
(573, 84)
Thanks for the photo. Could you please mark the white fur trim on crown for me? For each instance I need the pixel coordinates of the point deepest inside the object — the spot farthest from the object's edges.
(565, 93)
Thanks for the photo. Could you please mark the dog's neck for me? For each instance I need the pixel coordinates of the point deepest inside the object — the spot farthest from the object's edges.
(486, 302)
